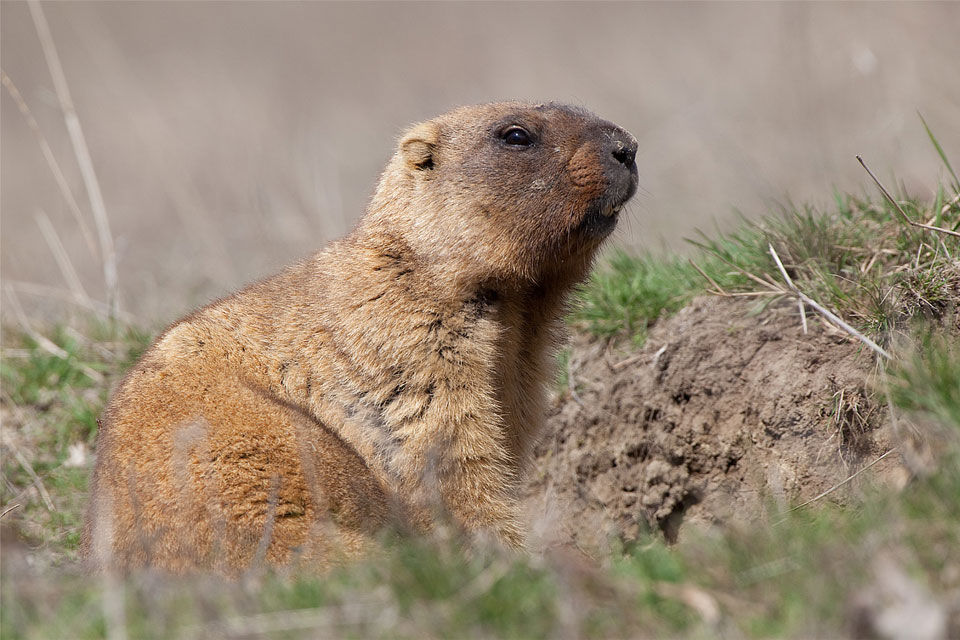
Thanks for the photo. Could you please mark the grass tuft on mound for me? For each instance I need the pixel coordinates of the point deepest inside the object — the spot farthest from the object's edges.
(629, 293)
(859, 259)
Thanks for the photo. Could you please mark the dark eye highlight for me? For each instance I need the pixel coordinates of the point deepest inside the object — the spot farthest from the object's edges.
(516, 136)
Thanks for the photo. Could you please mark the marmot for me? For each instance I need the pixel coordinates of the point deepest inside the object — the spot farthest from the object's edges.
(405, 364)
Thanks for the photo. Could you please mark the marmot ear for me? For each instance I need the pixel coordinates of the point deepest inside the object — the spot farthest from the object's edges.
(419, 145)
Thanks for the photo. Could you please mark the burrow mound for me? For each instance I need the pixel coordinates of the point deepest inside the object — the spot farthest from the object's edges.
(723, 413)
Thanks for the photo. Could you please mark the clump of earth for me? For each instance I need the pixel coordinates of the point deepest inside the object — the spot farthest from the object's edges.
(724, 415)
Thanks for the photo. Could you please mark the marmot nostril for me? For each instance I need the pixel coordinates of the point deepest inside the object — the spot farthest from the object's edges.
(625, 154)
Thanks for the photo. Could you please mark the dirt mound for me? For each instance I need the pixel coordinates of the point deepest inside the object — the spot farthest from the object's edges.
(719, 415)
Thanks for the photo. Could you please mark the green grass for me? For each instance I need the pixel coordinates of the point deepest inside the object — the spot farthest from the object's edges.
(43, 375)
(859, 259)
(53, 396)
(415, 586)
(628, 294)
(927, 381)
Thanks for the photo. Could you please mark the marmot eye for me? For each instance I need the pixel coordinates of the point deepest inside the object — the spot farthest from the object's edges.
(516, 136)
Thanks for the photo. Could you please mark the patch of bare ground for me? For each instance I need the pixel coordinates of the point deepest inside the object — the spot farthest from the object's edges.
(724, 415)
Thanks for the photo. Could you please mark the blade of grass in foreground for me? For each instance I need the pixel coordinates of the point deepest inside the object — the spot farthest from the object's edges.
(940, 151)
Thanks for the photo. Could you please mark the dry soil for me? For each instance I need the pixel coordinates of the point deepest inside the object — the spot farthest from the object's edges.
(724, 415)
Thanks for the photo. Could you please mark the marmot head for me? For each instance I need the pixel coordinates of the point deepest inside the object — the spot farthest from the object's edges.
(508, 192)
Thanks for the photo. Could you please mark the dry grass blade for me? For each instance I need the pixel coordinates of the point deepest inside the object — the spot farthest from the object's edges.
(114, 607)
(275, 622)
(786, 276)
(42, 341)
(753, 294)
(839, 484)
(951, 203)
(9, 509)
(56, 293)
(903, 214)
(571, 382)
(60, 255)
(823, 310)
(770, 286)
(267, 535)
(82, 153)
(700, 600)
(37, 482)
(717, 288)
(58, 176)
(940, 151)
(616, 366)
(484, 581)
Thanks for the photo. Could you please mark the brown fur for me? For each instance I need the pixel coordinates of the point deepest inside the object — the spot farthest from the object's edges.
(403, 364)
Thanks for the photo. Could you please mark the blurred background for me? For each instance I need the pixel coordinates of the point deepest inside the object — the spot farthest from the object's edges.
(231, 138)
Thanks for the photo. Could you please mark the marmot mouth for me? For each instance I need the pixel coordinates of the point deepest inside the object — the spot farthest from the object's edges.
(601, 218)
(611, 210)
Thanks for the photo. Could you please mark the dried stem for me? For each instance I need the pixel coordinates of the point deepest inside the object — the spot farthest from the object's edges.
(9, 509)
(829, 315)
(114, 607)
(842, 483)
(37, 482)
(571, 381)
(55, 169)
(770, 286)
(56, 293)
(953, 202)
(903, 214)
(61, 256)
(42, 341)
(718, 289)
(82, 154)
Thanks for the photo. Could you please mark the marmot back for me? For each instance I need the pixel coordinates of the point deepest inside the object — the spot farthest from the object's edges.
(400, 369)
